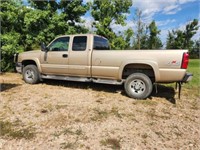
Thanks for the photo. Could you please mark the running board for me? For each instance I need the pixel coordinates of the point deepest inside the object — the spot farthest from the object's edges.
(67, 78)
(83, 79)
(108, 81)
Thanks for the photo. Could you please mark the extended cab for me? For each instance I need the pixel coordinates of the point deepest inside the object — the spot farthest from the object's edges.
(88, 58)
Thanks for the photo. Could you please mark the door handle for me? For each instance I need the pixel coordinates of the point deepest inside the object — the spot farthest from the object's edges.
(65, 55)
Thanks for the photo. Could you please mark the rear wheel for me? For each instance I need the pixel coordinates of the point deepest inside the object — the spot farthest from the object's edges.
(138, 86)
(31, 74)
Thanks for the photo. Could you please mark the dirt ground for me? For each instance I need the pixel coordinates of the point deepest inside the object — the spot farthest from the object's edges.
(72, 115)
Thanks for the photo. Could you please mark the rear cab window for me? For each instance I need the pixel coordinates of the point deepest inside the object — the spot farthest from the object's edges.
(79, 43)
(101, 43)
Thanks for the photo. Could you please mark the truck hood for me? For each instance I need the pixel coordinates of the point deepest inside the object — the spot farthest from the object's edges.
(29, 55)
(31, 52)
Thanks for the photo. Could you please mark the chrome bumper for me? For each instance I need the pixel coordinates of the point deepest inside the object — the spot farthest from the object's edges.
(18, 67)
(188, 77)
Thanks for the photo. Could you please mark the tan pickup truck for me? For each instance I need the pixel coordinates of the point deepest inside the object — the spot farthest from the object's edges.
(88, 58)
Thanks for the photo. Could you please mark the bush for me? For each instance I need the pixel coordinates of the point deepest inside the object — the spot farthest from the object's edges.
(9, 46)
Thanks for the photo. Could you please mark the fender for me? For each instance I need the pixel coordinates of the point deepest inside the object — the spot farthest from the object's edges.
(151, 63)
(36, 60)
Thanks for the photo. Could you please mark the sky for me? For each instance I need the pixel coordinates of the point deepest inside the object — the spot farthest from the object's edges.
(168, 15)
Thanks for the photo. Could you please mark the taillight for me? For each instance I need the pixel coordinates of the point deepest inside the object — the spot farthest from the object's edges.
(185, 61)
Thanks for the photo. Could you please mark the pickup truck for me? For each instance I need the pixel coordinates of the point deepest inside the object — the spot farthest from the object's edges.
(88, 58)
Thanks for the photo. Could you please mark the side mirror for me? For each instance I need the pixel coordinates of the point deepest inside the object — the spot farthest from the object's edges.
(43, 47)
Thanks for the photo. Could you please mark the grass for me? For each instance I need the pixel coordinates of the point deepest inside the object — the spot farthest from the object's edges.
(100, 115)
(193, 86)
(69, 131)
(194, 68)
(112, 143)
(7, 130)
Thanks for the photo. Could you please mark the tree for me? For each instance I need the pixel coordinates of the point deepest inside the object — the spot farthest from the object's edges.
(195, 51)
(170, 40)
(140, 28)
(73, 10)
(190, 31)
(128, 34)
(44, 4)
(11, 21)
(154, 40)
(144, 39)
(24, 28)
(182, 39)
(107, 12)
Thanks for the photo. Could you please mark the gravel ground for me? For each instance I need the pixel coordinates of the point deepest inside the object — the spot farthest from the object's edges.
(72, 115)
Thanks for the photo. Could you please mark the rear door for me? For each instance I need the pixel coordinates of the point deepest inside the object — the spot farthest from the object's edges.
(56, 60)
(79, 56)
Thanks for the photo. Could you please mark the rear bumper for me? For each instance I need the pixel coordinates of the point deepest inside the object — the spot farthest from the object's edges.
(18, 67)
(188, 77)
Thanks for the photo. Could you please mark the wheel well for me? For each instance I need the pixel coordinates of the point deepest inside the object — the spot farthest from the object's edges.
(28, 62)
(138, 68)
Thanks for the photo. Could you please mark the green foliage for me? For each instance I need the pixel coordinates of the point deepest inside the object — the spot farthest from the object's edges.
(178, 39)
(195, 51)
(107, 12)
(24, 28)
(154, 41)
(9, 46)
(146, 37)
(11, 16)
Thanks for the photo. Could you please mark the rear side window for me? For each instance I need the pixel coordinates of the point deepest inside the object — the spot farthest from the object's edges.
(79, 43)
(100, 43)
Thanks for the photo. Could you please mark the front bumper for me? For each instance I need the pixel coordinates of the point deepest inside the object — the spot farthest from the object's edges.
(188, 77)
(18, 67)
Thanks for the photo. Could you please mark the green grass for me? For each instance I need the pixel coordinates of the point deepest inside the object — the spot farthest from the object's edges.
(192, 88)
(194, 68)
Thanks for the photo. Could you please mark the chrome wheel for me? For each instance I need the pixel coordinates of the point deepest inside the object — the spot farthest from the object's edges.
(29, 75)
(137, 86)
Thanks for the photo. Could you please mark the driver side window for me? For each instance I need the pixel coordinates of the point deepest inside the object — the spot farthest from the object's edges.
(60, 44)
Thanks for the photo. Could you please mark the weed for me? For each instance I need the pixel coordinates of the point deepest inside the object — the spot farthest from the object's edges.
(102, 114)
(111, 142)
(7, 129)
(69, 131)
(160, 134)
(99, 115)
(115, 112)
(68, 145)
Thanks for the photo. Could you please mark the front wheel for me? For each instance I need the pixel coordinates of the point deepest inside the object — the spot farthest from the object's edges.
(138, 86)
(31, 74)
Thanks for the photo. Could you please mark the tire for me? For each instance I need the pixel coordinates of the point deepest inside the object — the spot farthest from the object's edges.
(138, 86)
(31, 74)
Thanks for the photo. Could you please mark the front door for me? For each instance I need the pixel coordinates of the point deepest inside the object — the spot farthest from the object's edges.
(55, 61)
(79, 57)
